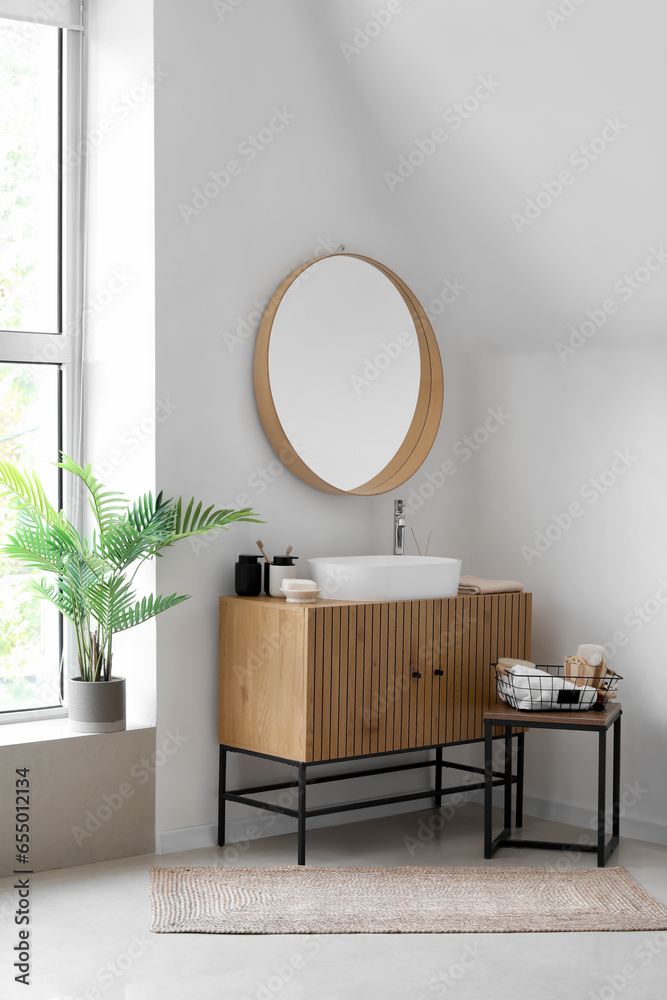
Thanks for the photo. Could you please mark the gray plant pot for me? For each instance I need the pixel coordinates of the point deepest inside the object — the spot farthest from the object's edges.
(96, 706)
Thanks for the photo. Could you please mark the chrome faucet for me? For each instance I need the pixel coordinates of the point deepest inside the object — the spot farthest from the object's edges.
(399, 526)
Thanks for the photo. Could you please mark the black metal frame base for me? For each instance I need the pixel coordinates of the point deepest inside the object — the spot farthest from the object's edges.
(602, 848)
(301, 813)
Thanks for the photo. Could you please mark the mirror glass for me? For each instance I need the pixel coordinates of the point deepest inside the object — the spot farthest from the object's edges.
(342, 369)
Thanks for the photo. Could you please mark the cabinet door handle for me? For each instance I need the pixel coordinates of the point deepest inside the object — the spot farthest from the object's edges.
(438, 673)
(415, 673)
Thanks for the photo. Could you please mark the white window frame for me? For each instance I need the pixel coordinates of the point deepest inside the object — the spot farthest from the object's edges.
(64, 348)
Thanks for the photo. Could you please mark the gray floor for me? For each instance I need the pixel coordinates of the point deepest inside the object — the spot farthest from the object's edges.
(90, 937)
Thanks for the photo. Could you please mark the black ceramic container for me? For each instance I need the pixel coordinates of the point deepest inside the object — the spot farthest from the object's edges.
(248, 576)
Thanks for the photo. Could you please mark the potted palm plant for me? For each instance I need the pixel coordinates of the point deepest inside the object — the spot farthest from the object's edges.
(91, 580)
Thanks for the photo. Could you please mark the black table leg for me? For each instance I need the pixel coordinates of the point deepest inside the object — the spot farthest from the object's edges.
(507, 819)
(222, 796)
(488, 788)
(437, 799)
(602, 782)
(519, 778)
(301, 820)
(616, 781)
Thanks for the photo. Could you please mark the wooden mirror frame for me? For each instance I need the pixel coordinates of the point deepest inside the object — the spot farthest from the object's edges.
(426, 420)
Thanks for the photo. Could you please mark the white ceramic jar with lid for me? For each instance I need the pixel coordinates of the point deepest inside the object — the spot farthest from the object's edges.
(280, 568)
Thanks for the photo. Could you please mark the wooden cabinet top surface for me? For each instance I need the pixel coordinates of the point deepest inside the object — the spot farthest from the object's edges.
(320, 602)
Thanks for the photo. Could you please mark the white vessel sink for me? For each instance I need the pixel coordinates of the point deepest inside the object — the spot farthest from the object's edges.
(385, 578)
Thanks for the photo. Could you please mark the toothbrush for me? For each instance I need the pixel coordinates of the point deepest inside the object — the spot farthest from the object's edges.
(261, 549)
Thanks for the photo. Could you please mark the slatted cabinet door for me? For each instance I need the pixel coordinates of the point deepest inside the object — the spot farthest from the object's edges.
(474, 633)
(359, 660)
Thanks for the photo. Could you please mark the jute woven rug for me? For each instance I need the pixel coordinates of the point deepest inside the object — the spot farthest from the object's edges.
(310, 900)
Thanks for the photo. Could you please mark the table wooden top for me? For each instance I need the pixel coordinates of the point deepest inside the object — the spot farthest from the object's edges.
(586, 718)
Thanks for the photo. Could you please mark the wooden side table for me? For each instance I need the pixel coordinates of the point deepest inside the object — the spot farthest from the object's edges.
(585, 721)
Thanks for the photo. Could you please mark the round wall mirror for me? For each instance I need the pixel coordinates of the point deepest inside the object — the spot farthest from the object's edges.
(348, 377)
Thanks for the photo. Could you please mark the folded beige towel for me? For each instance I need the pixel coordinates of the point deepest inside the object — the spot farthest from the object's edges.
(477, 585)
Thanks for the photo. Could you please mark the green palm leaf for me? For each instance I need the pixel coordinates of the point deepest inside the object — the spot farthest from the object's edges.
(150, 515)
(197, 522)
(108, 599)
(25, 491)
(123, 545)
(107, 505)
(38, 545)
(147, 529)
(60, 596)
(147, 607)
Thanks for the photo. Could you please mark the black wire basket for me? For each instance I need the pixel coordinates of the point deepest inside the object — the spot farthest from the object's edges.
(555, 692)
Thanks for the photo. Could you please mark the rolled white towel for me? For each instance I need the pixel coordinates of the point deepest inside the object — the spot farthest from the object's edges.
(534, 680)
(546, 699)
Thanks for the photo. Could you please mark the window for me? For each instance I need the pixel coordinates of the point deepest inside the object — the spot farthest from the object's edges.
(30, 253)
(38, 323)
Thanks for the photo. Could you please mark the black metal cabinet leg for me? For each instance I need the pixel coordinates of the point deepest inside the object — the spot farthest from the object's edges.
(519, 778)
(437, 799)
(301, 834)
(616, 781)
(222, 796)
(602, 783)
(507, 788)
(488, 788)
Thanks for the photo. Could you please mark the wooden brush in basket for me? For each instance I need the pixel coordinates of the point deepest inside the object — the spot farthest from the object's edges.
(581, 672)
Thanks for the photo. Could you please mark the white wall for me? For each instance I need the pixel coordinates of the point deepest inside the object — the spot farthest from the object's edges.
(573, 411)
(119, 437)
(542, 91)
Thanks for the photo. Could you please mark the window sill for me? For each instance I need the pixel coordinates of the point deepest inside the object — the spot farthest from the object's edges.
(33, 715)
(43, 730)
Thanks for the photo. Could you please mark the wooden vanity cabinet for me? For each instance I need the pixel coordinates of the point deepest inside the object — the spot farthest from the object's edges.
(336, 679)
